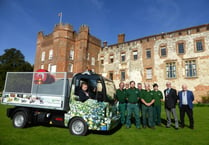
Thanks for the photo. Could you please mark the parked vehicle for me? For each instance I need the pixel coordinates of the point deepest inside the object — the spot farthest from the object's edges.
(52, 98)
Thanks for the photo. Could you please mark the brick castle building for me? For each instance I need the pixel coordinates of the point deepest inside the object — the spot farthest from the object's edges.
(65, 50)
(181, 57)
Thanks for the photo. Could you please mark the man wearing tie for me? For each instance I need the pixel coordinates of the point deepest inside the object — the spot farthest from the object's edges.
(186, 98)
(170, 105)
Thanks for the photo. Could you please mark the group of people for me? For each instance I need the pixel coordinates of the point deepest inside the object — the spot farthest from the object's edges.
(146, 104)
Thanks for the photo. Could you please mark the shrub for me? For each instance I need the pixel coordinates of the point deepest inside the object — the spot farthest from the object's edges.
(205, 99)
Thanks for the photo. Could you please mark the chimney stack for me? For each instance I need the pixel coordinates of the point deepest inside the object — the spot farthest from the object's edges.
(104, 43)
(121, 38)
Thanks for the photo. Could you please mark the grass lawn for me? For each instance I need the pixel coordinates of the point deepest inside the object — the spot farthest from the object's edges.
(43, 135)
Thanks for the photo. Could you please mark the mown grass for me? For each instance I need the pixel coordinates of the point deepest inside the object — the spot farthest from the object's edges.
(43, 135)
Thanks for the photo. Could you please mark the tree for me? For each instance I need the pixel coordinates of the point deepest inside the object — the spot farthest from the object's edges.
(12, 61)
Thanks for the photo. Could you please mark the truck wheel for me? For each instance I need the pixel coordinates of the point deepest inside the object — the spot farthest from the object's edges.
(20, 119)
(78, 126)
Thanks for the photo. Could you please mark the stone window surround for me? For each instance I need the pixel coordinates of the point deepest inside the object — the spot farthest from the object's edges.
(165, 71)
(149, 49)
(177, 49)
(133, 51)
(203, 44)
(149, 68)
(111, 56)
(122, 70)
(122, 54)
(196, 63)
(163, 45)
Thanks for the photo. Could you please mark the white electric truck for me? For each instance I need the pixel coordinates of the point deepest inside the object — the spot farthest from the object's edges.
(52, 98)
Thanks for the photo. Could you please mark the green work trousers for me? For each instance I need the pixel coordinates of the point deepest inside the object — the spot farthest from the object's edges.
(122, 110)
(132, 108)
(157, 114)
(147, 114)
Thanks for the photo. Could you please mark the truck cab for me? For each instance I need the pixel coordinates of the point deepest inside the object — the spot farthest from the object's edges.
(53, 98)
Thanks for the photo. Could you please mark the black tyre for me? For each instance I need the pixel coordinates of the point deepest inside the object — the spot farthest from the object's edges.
(20, 119)
(78, 126)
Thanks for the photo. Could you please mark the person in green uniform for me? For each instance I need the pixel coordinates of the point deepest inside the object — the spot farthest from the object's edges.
(127, 86)
(139, 86)
(133, 97)
(121, 98)
(158, 96)
(147, 107)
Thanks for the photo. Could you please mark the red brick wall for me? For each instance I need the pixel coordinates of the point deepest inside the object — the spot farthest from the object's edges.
(61, 41)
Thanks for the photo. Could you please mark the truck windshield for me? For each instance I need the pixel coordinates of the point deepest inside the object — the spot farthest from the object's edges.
(110, 90)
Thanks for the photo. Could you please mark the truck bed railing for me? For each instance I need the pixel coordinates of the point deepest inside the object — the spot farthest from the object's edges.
(42, 89)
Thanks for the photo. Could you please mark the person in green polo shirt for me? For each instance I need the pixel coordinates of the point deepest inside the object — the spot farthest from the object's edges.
(133, 97)
(147, 100)
(121, 98)
(158, 96)
(139, 86)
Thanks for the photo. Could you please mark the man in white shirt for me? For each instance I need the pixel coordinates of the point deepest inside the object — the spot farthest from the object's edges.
(186, 98)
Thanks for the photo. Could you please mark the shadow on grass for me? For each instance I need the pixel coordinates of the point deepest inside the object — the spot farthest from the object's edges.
(164, 122)
(110, 132)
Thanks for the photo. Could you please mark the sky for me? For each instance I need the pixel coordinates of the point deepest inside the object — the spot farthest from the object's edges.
(21, 20)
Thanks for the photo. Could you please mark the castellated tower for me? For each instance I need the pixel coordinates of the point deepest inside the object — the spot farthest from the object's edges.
(65, 50)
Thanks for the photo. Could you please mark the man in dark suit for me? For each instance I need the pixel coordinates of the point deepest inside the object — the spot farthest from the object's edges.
(170, 104)
(186, 98)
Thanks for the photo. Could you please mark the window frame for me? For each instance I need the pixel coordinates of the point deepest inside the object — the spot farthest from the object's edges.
(150, 53)
(50, 54)
(135, 58)
(122, 57)
(71, 55)
(178, 48)
(161, 48)
(171, 73)
(43, 55)
(49, 67)
(149, 76)
(122, 76)
(202, 45)
(70, 67)
(194, 70)
(42, 66)
(93, 61)
(111, 58)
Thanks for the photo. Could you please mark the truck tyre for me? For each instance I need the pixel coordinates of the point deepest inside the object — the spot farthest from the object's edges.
(20, 119)
(78, 126)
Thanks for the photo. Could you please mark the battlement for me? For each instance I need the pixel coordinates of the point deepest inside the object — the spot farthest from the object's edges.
(84, 28)
(63, 27)
(163, 35)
